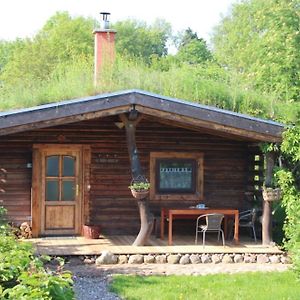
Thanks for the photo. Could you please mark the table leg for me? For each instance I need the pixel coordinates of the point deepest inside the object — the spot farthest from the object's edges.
(162, 224)
(170, 229)
(225, 226)
(236, 228)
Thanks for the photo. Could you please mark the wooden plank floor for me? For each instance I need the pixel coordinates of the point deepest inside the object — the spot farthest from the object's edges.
(121, 244)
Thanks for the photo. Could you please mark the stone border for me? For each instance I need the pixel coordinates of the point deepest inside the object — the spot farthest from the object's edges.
(107, 258)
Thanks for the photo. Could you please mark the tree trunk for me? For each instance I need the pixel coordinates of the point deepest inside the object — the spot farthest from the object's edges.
(267, 206)
(146, 217)
(146, 223)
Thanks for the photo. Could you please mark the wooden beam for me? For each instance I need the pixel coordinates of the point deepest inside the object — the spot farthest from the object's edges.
(180, 119)
(35, 124)
(196, 128)
(210, 114)
(267, 205)
(36, 192)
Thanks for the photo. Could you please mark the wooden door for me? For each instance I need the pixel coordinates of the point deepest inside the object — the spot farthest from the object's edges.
(61, 191)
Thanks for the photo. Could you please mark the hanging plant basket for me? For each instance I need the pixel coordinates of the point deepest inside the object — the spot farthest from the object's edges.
(270, 194)
(140, 187)
(139, 194)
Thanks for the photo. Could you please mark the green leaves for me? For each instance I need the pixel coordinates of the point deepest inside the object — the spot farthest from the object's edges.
(23, 276)
(140, 186)
(260, 39)
(61, 40)
(136, 39)
(288, 180)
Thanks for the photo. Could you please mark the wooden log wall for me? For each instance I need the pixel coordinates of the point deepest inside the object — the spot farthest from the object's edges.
(226, 168)
(15, 181)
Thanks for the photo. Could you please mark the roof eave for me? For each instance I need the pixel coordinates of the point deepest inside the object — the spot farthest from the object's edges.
(121, 102)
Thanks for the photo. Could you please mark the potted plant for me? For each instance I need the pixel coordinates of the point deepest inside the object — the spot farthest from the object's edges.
(271, 194)
(91, 231)
(140, 189)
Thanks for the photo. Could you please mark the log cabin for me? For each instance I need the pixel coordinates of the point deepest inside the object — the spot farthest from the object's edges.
(65, 165)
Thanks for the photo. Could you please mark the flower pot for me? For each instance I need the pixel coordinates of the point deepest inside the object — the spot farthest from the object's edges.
(140, 194)
(270, 194)
(91, 231)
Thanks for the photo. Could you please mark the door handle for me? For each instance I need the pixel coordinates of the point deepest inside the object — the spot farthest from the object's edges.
(77, 190)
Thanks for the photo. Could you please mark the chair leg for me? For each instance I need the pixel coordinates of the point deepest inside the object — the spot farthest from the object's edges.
(254, 234)
(203, 242)
(196, 239)
(223, 239)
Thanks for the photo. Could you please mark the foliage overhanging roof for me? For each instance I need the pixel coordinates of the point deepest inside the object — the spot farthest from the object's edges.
(177, 111)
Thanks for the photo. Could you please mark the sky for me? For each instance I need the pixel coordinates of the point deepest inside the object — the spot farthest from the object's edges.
(24, 18)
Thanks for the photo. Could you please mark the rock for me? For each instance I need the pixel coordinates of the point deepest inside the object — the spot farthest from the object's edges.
(274, 259)
(286, 259)
(161, 259)
(227, 259)
(238, 258)
(215, 258)
(88, 261)
(205, 259)
(185, 259)
(123, 259)
(106, 258)
(136, 259)
(249, 258)
(262, 259)
(93, 259)
(173, 259)
(195, 259)
(149, 259)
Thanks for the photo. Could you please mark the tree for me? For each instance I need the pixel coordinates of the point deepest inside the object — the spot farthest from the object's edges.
(193, 49)
(6, 49)
(137, 39)
(146, 218)
(288, 178)
(260, 39)
(62, 39)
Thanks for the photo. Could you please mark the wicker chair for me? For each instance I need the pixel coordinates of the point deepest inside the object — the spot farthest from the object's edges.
(213, 224)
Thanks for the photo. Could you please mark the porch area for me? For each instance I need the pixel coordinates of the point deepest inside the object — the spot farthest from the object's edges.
(121, 244)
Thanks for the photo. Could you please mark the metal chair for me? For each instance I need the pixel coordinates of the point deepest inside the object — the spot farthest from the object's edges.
(247, 219)
(213, 224)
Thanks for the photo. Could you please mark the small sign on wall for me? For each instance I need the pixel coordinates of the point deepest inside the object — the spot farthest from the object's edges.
(107, 158)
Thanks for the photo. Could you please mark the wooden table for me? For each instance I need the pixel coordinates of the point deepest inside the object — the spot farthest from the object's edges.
(178, 213)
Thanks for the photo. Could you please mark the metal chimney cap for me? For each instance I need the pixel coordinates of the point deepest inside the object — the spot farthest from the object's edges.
(105, 15)
(105, 21)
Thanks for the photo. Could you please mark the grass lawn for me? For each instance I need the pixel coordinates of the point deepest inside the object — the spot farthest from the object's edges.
(271, 285)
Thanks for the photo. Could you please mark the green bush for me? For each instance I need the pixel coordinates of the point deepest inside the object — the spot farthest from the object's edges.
(23, 275)
(288, 179)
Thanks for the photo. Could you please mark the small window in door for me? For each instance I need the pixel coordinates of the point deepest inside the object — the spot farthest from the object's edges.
(60, 178)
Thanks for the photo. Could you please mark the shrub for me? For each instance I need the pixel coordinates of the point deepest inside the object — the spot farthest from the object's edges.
(23, 276)
(288, 180)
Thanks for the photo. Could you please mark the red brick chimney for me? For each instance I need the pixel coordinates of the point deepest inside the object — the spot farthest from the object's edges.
(104, 47)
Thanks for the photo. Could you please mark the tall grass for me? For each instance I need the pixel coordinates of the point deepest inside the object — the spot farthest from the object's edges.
(66, 82)
(207, 84)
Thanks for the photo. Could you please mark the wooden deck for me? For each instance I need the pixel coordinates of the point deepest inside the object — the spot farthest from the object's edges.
(66, 246)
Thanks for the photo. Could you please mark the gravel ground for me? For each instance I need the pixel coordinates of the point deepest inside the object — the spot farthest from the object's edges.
(91, 282)
(92, 288)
